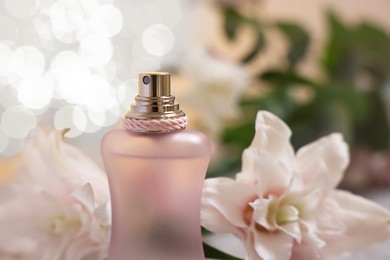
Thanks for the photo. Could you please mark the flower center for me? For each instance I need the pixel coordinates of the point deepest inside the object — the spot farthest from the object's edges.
(60, 224)
(248, 211)
(248, 214)
(286, 214)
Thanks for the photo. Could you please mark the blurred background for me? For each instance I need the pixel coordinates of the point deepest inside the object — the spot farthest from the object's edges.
(320, 65)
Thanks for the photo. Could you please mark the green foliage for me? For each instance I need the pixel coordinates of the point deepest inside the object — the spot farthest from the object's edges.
(356, 49)
(284, 78)
(298, 39)
(374, 130)
(334, 108)
(356, 62)
(258, 46)
(233, 21)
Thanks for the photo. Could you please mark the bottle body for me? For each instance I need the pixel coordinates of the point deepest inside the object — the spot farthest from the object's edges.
(155, 182)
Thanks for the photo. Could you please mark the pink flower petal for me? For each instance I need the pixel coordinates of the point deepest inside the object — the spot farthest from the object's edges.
(273, 177)
(229, 199)
(365, 223)
(84, 194)
(272, 135)
(273, 245)
(261, 212)
(327, 157)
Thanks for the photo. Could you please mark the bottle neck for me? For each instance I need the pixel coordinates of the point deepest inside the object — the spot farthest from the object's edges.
(163, 107)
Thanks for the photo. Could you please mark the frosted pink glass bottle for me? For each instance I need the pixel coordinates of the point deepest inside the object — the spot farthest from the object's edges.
(156, 176)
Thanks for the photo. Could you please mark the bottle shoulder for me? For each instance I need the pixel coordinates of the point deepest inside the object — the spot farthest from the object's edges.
(184, 143)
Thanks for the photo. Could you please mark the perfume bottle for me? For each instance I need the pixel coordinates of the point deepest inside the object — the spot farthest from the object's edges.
(156, 170)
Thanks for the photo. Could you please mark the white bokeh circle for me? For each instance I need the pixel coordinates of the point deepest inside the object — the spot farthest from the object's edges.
(96, 50)
(70, 117)
(21, 9)
(17, 121)
(6, 58)
(106, 20)
(34, 92)
(4, 140)
(158, 39)
(8, 29)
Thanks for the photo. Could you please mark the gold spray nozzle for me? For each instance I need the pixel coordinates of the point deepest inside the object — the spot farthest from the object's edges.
(154, 84)
(154, 99)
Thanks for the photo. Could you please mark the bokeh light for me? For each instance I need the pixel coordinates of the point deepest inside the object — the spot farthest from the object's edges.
(45, 6)
(96, 50)
(42, 28)
(3, 139)
(14, 147)
(106, 19)
(34, 92)
(171, 11)
(158, 39)
(73, 63)
(7, 98)
(93, 92)
(17, 121)
(8, 29)
(20, 8)
(147, 14)
(27, 61)
(67, 18)
(96, 117)
(70, 117)
(125, 92)
(6, 57)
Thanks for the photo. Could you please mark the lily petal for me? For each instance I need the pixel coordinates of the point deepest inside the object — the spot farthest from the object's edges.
(214, 221)
(328, 156)
(261, 212)
(273, 177)
(48, 171)
(272, 135)
(273, 245)
(292, 229)
(84, 194)
(304, 252)
(365, 223)
(228, 198)
(251, 252)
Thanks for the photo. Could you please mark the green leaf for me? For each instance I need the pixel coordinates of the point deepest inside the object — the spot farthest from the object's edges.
(282, 78)
(241, 134)
(224, 167)
(339, 58)
(317, 121)
(372, 45)
(233, 20)
(259, 45)
(339, 33)
(372, 39)
(374, 130)
(211, 252)
(351, 98)
(298, 39)
(334, 108)
(281, 103)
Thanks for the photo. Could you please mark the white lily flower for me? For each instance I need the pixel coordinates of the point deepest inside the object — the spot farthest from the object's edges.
(216, 86)
(284, 205)
(59, 207)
